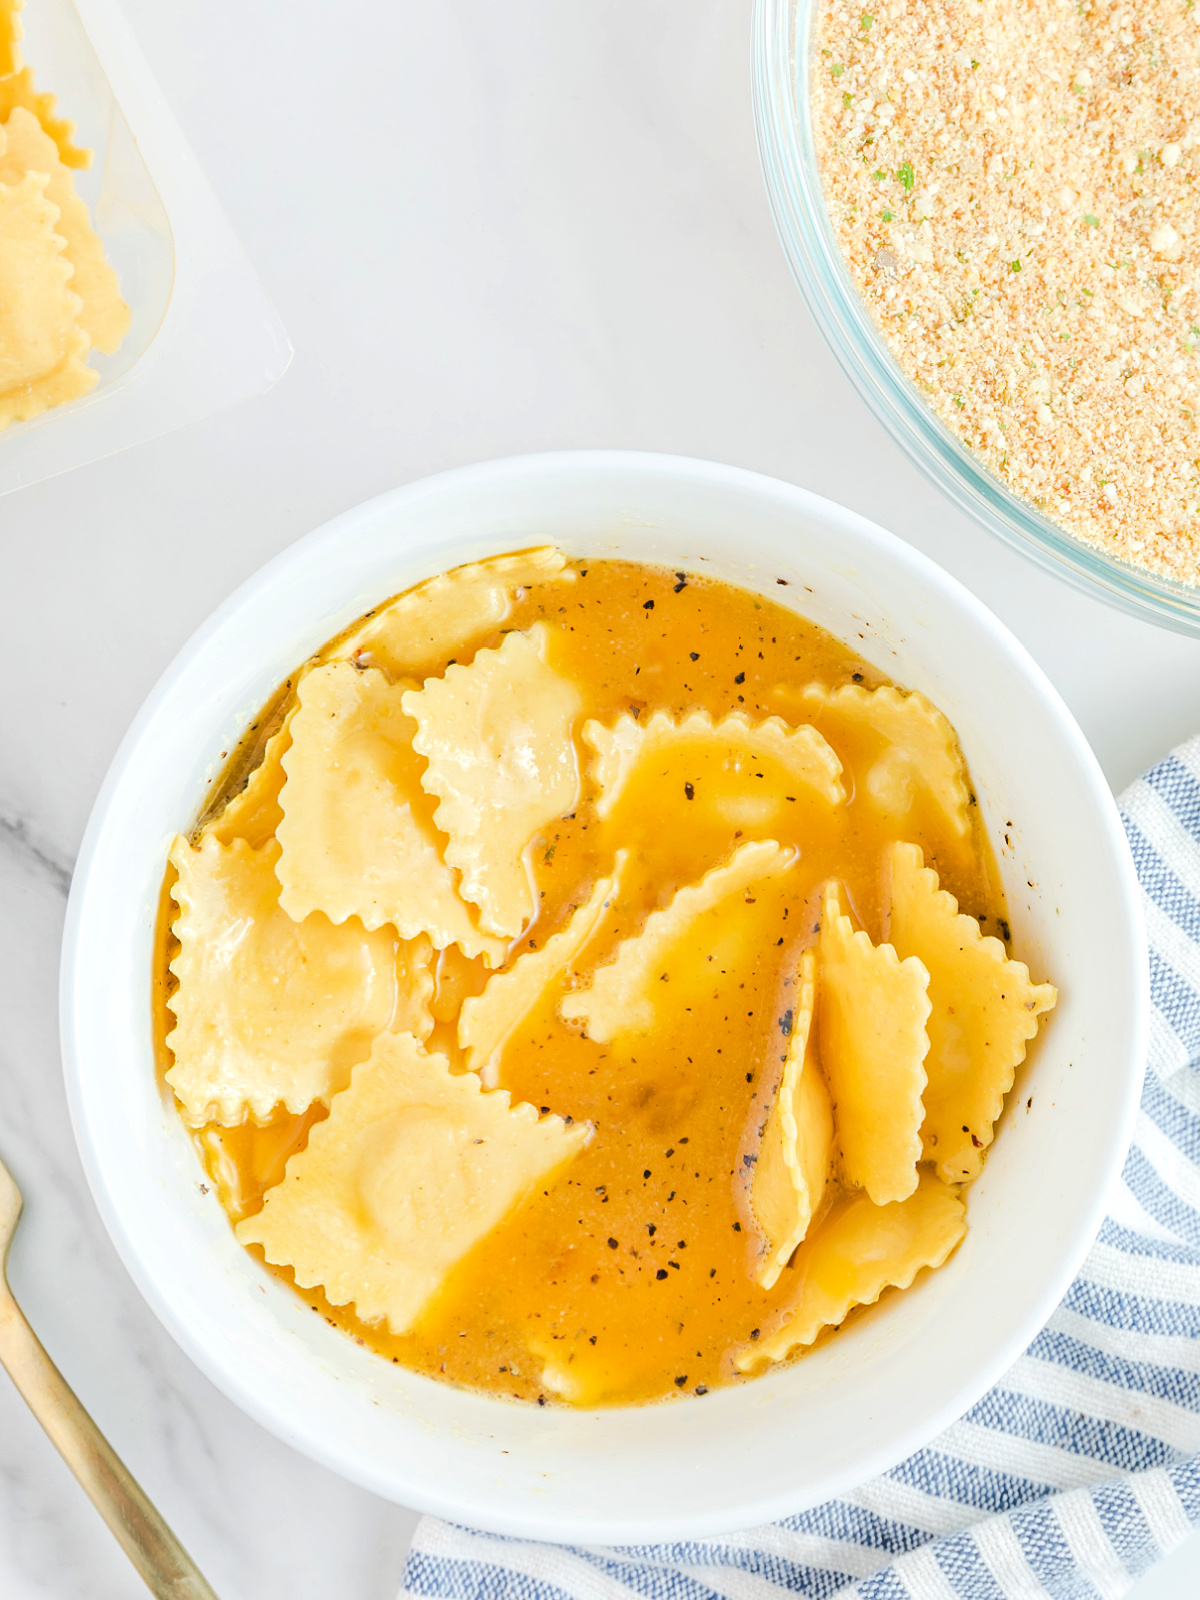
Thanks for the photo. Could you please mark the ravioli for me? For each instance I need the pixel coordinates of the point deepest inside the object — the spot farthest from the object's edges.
(499, 739)
(18, 89)
(412, 1168)
(254, 813)
(749, 1106)
(488, 1019)
(451, 614)
(620, 999)
(793, 1157)
(415, 987)
(357, 834)
(269, 1012)
(984, 1011)
(103, 315)
(729, 749)
(574, 1370)
(41, 310)
(858, 1252)
(921, 752)
(871, 1013)
(59, 298)
(11, 31)
(560, 1376)
(71, 379)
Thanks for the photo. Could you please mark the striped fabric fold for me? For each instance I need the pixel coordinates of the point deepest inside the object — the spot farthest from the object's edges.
(1081, 1468)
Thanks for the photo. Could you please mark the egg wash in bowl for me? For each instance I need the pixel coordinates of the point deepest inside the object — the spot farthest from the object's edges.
(591, 982)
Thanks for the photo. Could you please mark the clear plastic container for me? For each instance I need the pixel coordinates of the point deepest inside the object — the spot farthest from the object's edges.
(203, 334)
(781, 67)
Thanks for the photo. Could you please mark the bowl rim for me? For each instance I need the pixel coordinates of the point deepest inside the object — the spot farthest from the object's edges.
(787, 157)
(224, 1370)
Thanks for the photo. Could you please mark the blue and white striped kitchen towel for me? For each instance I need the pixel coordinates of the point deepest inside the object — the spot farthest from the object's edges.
(1080, 1468)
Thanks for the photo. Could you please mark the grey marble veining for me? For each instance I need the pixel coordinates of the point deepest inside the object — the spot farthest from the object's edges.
(487, 230)
(18, 841)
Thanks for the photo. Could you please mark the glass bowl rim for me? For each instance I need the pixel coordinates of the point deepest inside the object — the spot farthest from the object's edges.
(787, 154)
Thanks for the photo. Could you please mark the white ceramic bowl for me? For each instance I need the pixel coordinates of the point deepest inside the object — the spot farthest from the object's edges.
(742, 1455)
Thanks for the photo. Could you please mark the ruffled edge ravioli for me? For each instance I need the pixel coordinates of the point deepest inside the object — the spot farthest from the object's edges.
(499, 740)
(860, 1250)
(47, 365)
(413, 1167)
(450, 614)
(486, 1021)
(793, 1158)
(269, 1011)
(103, 314)
(923, 750)
(12, 31)
(620, 749)
(389, 819)
(618, 1000)
(254, 812)
(18, 89)
(871, 1015)
(984, 1011)
(357, 833)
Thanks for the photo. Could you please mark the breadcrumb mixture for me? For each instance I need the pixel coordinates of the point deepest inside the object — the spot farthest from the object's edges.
(1014, 186)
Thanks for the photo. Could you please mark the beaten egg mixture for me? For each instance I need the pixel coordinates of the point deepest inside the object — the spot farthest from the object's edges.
(634, 1269)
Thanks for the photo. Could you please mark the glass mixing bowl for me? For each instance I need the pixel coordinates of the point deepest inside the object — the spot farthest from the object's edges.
(782, 33)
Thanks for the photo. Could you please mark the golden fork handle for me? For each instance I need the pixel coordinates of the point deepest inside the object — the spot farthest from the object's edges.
(154, 1550)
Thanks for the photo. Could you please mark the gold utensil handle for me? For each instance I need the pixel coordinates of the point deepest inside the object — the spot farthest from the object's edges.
(154, 1550)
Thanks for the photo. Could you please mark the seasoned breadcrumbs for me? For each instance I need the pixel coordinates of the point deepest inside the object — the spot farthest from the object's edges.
(1014, 188)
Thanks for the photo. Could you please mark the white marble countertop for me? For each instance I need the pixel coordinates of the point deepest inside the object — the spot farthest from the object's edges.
(488, 230)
